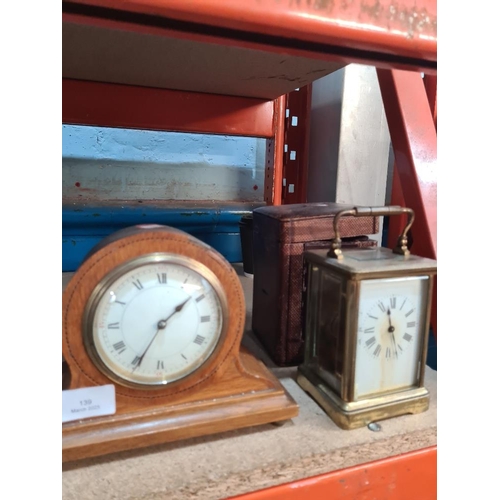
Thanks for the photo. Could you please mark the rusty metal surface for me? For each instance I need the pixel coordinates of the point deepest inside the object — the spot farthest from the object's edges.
(387, 33)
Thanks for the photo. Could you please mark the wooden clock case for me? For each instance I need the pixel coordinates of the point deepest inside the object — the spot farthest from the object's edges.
(231, 390)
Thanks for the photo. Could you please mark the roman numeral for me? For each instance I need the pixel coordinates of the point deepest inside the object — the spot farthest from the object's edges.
(388, 352)
(119, 302)
(373, 317)
(400, 348)
(409, 312)
(407, 337)
(393, 302)
(370, 342)
(370, 330)
(199, 339)
(160, 365)
(381, 305)
(137, 284)
(404, 302)
(205, 319)
(201, 297)
(114, 326)
(377, 350)
(120, 346)
(162, 278)
(410, 324)
(136, 360)
(184, 357)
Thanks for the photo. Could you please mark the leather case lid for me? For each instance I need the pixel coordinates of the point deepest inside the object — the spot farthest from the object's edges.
(304, 222)
(298, 211)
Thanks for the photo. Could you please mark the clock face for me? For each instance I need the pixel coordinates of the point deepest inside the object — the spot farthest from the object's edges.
(155, 320)
(390, 328)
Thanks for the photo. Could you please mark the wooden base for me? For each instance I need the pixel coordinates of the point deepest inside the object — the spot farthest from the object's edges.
(410, 402)
(104, 435)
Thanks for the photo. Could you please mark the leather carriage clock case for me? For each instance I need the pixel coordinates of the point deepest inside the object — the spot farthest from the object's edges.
(281, 236)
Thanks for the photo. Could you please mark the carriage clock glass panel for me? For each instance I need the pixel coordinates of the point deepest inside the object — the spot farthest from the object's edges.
(391, 320)
(156, 320)
(325, 348)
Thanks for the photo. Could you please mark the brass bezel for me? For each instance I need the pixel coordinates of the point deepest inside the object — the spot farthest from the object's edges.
(143, 260)
(351, 326)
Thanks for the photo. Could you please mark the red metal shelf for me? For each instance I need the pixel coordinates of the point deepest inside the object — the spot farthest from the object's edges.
(391, 35)
(410, 476)
(103, 104)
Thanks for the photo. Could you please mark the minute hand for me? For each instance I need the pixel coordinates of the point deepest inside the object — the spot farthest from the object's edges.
(391, 331)
(161, 326)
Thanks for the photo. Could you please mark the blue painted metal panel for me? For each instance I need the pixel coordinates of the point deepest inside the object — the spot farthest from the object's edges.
(84, 226)
(432, 351)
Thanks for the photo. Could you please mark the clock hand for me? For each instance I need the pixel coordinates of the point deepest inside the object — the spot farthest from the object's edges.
(162, 324)
(394, 343)
(391, 331)
(176, 310)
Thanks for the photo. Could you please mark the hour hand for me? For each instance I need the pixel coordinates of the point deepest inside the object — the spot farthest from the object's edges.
(177, 309)
(180, 306)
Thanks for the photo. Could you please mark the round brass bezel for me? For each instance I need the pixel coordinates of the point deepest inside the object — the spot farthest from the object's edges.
(135, 263)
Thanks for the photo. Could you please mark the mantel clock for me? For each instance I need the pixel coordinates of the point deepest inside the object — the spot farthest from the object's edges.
(159, 316)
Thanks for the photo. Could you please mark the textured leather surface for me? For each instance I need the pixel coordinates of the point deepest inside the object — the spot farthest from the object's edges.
(281, 235)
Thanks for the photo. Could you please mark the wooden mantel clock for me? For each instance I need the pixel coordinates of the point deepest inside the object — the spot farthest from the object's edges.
(367, 326)
(160, 315)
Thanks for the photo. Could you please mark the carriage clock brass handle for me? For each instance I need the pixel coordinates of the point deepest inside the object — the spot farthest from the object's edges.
(402, 245)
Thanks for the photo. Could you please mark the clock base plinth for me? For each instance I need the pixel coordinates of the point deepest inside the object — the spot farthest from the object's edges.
(152, 426)
(355, 415)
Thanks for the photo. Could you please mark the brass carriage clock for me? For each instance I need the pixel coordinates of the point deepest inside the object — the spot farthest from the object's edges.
(367, 326)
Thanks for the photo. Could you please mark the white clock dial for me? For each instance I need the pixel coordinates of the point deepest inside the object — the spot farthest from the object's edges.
(155, 323)
(390, 322)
